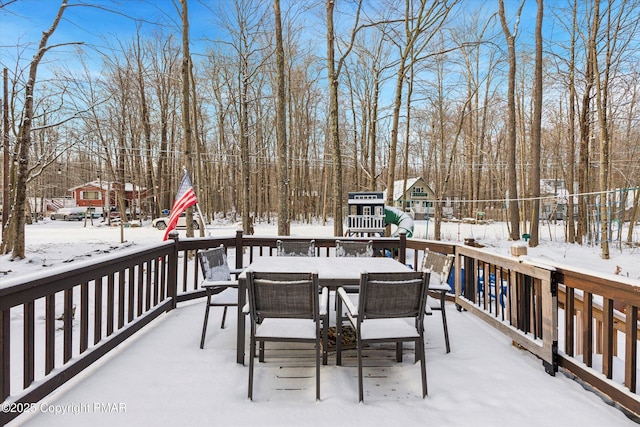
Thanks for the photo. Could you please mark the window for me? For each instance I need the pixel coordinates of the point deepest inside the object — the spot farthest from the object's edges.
(366, 210)
(90, 195)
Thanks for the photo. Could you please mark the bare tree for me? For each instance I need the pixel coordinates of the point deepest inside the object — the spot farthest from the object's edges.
(13, 236)
(536, 128)
(420, 27)
(245, 22)
(164, 66)
(187, 128)
(514, 214)
(281, 129)
(333, 73)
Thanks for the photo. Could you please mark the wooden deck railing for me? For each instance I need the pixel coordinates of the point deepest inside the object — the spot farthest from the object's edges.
(54, 325)
(599, 332)
(517, 297)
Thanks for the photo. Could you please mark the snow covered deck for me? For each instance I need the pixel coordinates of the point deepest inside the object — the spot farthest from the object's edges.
(161, 377)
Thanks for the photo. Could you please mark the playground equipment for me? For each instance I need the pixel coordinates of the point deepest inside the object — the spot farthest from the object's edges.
(368, 216)
(401, 219)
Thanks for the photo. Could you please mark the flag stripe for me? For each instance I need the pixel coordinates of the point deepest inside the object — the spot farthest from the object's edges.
(185, 198)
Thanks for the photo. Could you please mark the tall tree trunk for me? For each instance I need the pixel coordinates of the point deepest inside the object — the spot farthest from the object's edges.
(536, 128)
(186, 105)
(514, 217)
(585, 139)
(334, 130)
(602, 88)
(5, 148)
(281, 130)
(146, 122)
(16, 238)
(570, 177)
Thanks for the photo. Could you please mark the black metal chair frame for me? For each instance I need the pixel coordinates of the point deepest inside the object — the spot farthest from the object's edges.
(392, 296)
(282, 296)
(348, 248)
(440, 267)
(296, 247)
(217, 279)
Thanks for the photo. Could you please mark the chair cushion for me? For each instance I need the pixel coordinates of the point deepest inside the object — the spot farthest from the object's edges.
(227, 297)
(387, 328)
(436, 285)
(286, 328)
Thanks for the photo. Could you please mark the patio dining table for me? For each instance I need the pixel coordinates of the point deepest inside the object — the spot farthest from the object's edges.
(333, 272)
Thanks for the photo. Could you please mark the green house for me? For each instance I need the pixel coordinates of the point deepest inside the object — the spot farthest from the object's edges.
(416, 198)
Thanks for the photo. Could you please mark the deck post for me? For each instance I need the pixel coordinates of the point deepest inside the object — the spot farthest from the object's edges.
(239, 250)
(172, 272)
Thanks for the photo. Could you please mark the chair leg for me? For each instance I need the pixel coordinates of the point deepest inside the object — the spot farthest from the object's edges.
(444, 324)
(360, 385)
(399, 352)
(325, 340)
(252, 351)
(206, 319)
(339, 334)
(261, 352)
(224, 316)
(317, 368)
(423, 366)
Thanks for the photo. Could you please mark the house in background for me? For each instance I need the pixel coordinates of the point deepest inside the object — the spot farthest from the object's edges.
(417, 199)
(91, 194)
(103, 195)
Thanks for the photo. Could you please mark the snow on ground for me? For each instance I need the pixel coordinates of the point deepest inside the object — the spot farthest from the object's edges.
(472, 385)
(55, 243)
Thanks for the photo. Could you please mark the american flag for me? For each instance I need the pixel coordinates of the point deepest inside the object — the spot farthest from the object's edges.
(185, 198)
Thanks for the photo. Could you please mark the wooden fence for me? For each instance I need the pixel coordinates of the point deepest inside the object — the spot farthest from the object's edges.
(54, 325)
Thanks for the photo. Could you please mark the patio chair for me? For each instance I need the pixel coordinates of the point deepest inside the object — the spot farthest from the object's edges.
(391, 308)
(296, 247)
(440, 267)
(220, 289)
(286, 307)
(354, 249)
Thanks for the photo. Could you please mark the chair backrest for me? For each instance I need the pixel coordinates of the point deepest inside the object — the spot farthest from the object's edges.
(439, 264)
(392, 295)
(296, 247)
(354, 249)
(283, 295)
(214, 264)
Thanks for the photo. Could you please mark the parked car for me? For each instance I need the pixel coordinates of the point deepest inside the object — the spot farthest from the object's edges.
(94, 212)
(162, 222)
(68, 214)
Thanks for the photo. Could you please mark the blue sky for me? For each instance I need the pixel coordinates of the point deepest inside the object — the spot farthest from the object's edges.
(22, 23)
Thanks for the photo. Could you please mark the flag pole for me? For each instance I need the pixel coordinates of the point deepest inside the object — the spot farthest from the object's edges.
(202, 219)
(198, 207)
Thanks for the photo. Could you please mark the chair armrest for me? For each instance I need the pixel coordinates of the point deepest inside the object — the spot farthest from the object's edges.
(219, 284)
(236, 271)
(324, 301)
(441, 287)
(342, 294)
